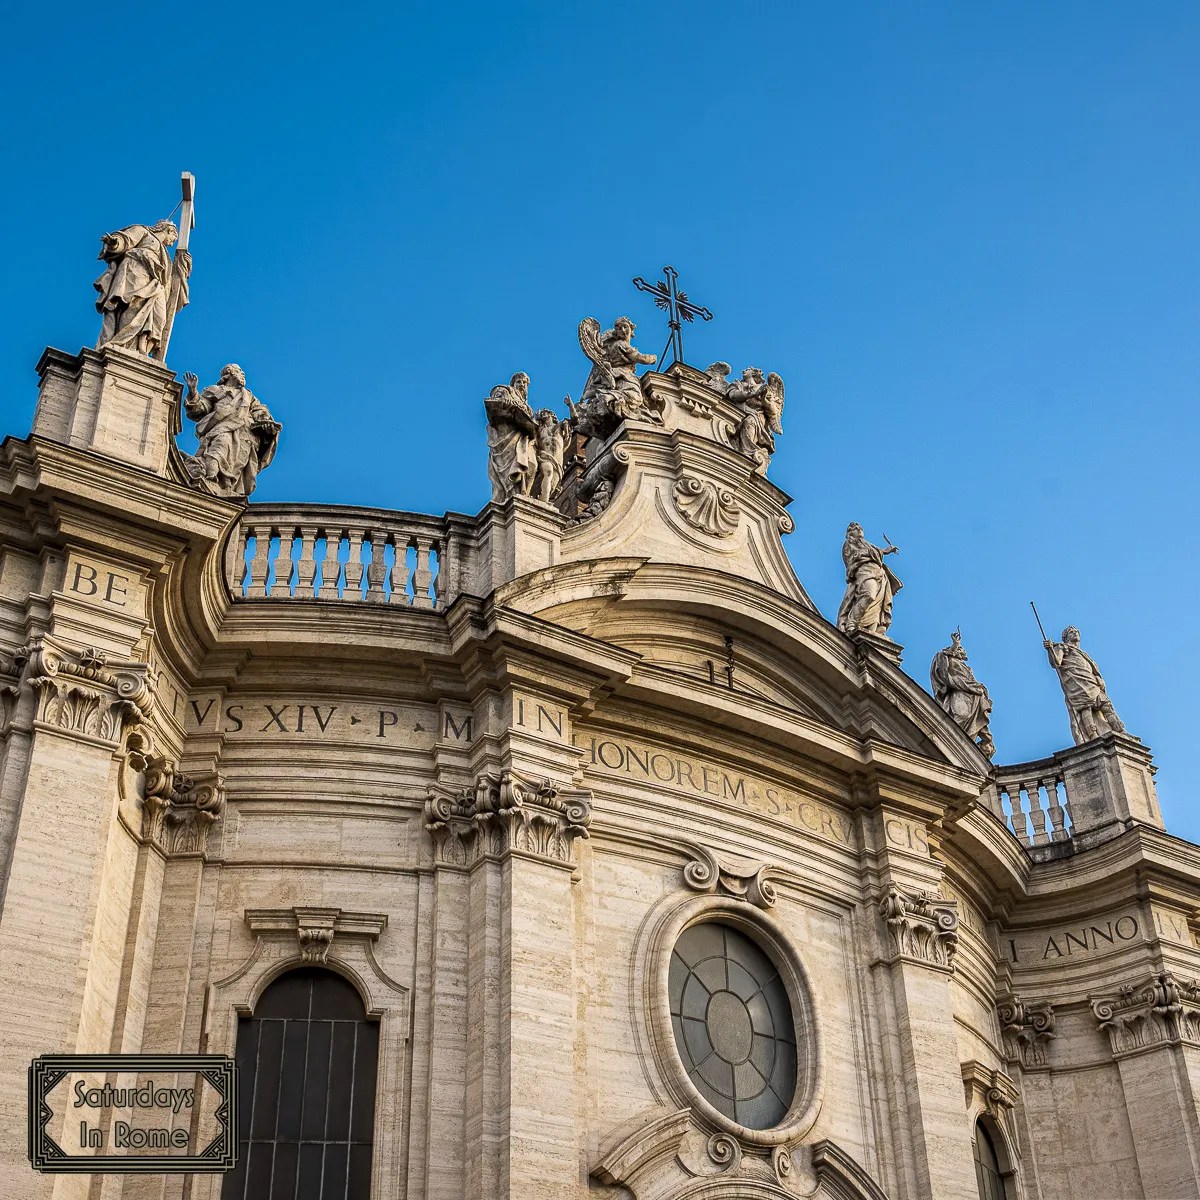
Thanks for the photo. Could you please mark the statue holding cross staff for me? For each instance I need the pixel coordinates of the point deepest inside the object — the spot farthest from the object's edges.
(143, 287)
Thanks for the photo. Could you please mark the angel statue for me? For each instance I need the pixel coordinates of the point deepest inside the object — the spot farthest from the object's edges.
(613, 392)
(142, 288)
(761, 402)
(552, 439)
(512, 430)
(957, 690)
(870, 585)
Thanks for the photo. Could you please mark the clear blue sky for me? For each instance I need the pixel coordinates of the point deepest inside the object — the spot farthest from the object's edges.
(965, 235)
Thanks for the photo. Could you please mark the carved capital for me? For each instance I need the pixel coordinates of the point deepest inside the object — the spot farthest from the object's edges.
(179, 809)
(83, 692)
(505, 815)
(1159, 1011)
(707, 506)
(920, 927)
(749, 881)
(1027, 1030)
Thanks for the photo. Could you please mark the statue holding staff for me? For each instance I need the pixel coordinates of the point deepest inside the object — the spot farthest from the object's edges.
(1091, 711)
(870, 585)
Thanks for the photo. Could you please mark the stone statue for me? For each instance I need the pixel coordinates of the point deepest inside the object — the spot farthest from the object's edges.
(870, 585)
(552, 438)
(957, 690)
(716, 376)
(761, 402)
(1092, 712)
(237, 434)
(142, 287)
(512, 433)
(613, 392)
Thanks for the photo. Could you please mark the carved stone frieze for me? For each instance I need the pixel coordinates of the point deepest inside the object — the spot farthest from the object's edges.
(1159, 1011)
(707, 506)
(180, 809)
(84, 692)
(920, 927)
(706, 872)
(503, 815)
(1027, 1029)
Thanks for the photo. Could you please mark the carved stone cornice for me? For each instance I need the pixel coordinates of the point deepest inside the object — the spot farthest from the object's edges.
(1159, 1011)
(179, 810)
(1027, 1029)
(81, 692)
(921, 928)
(505, 815)
(315, 928)
(706, 872)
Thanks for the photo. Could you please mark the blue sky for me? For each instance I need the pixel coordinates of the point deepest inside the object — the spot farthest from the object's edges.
(967, 236)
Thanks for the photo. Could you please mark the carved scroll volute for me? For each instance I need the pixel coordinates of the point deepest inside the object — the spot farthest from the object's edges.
(179, 810)
(743, 880)
(920, 927)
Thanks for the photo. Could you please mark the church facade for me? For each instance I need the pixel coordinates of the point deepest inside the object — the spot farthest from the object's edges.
(563, 850)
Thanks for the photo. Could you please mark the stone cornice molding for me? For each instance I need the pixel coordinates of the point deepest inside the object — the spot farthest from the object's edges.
(921, 928)
(1026, 1029)
(709, 872)
(179, 810)
(315, 927)
(506, 815)
(1142, 1016)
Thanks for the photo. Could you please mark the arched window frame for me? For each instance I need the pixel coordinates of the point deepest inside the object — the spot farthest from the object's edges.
(341, 942)
(991, 1101)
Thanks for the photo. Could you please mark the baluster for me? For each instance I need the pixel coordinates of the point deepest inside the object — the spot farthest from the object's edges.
(306, 565)
(400, 572)
(377, 568)
(436, 548)
(281, 589)
(354, 566)
(331, 569)
(1020, 820)
(422, 577)
(1057, 815)
(260, 564)
(1041, 827)
(238, 570)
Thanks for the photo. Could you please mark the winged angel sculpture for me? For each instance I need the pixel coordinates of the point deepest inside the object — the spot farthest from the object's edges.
(761, 403)
(613, 392)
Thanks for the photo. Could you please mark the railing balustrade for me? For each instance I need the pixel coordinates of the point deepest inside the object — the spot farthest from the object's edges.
(1031, 799)
(324, 552)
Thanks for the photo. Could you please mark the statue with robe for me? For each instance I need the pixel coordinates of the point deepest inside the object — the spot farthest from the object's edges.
(512, 439)
(957, 690)
(613, 392)
(1091, 711)
(142, 288)
(870, 585)
(238, 436)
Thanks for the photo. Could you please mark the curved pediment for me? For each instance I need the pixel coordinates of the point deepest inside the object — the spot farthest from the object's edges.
(780, 652)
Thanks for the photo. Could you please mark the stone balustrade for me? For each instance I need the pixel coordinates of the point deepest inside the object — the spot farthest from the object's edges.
(328, 552)
(1031, 799)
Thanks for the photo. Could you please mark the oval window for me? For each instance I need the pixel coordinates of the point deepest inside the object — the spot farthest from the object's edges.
(733, 1024)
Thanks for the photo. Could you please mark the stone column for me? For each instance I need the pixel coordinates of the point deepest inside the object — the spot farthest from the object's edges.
(1154, 1031)
(71, 874)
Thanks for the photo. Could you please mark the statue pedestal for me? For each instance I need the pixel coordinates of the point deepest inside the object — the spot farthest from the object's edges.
(122, 405)
(1109, 780)
(882, 645)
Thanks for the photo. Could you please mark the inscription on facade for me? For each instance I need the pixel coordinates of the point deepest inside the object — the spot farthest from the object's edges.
(540, 718)
(1172, 925)
(315, 720)
(691, 776)
(1098, 936)
(114, 588)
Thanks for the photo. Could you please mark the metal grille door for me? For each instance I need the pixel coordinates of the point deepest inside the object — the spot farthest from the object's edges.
(307, 1060)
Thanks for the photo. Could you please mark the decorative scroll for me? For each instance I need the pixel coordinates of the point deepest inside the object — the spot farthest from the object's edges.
(1027, 1028)
(707, 506)
(705, 872)
(180, 809)
(1159, 1011)
(921, 927)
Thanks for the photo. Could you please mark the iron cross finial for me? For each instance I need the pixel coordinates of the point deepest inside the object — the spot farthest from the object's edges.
(678, 308)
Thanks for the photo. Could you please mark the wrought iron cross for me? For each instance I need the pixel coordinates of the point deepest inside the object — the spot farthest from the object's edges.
(678, 308)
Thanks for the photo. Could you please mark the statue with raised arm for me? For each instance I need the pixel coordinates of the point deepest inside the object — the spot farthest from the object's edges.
(613, 392)
(512, 431)
(551, 441)
(238, 436)
(870, 585)
(761, 403)
(142, 287)
(1091, 711)
(957, 690)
